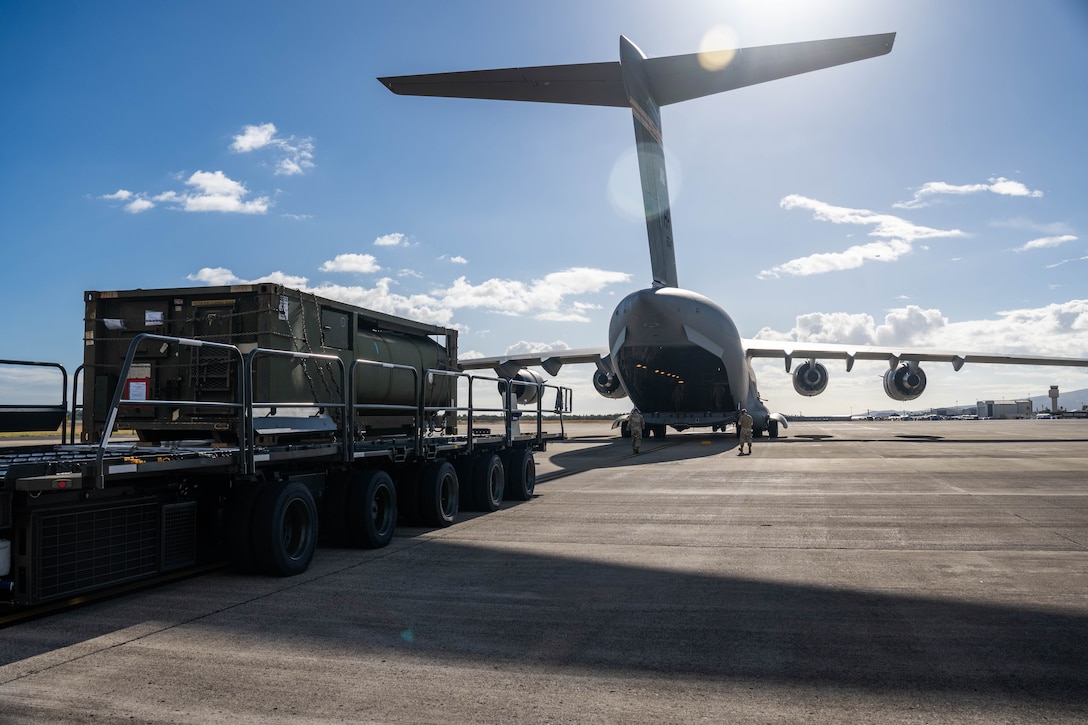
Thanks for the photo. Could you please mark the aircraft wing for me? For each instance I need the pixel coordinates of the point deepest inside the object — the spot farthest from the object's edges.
(550, 360)
(790, 351)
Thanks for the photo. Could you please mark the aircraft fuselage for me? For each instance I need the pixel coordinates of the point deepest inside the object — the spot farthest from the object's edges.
(680, 358)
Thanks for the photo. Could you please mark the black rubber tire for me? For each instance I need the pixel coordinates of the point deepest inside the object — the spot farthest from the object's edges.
(239, 535)
(625, 430)
(488, 483)
(772, 429)
(520, 474)
(659, 430)
(284, 529)
(371, 514)
(438, 499)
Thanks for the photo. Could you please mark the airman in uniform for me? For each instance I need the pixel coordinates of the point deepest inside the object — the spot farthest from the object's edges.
(635, 422)
(744, 427)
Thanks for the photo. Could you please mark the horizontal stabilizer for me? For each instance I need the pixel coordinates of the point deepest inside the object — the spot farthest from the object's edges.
(672, 78)
(588, 84)
(683, 77)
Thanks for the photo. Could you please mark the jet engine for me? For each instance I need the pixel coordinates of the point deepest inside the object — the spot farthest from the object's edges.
(810, 378)
(608, 385)
(526, 386)
(905, 382)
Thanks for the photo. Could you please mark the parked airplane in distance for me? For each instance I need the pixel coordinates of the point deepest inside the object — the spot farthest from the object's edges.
(674, 352)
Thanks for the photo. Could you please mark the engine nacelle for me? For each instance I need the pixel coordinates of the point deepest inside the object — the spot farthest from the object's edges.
(905, 382)
(810, 378)
(526, 385)
(608, 385)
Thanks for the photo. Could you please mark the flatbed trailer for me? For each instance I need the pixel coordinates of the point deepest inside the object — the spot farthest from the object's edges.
(80, 516)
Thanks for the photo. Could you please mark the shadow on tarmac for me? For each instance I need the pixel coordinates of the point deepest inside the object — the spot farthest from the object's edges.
(511, 609)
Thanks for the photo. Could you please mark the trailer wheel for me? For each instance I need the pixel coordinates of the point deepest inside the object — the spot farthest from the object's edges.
(520, 474)
(438, 502)
(240, 512)
(285, 529)
(371, 509)
(488, 482)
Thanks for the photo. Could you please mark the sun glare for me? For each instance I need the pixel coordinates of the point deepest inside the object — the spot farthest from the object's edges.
(717, 48)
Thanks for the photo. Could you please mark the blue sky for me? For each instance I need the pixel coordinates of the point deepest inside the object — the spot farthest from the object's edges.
(935, 196)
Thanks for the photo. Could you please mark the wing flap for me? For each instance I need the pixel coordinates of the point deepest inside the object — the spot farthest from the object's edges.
(550, 360)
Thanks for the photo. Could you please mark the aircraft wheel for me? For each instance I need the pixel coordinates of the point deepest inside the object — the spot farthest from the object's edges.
(371, 509)
(285, 529)
(772, 428)
(625, 430)
(438, 501)
(488, 482)
(520, 474)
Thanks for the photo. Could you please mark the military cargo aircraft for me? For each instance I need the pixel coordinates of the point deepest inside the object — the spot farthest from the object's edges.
(675, 353)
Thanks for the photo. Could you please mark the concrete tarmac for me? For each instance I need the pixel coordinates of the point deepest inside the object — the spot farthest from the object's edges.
(847, 572)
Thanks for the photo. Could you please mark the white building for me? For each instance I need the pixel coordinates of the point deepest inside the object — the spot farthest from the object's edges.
(1006, 409)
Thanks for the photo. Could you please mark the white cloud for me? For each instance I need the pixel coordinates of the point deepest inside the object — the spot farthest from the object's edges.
(295, 155)
(458, 260)
(1046, 242)
(396, 239)
(524, 347)
(215, 276)
(220, 276)
(1066, 261)
(212, 191)
(363, 263)
(999, 185)
(215, 191)
(547, 298)
(254, 137)
(1059, 329)
(896, 235)
(543, 297)
(138, 205)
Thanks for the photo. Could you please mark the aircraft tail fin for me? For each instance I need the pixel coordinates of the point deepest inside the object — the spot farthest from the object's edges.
(645, 84)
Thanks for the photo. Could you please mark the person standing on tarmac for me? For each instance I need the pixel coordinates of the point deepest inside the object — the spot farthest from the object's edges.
(634, 424)
(744, 427)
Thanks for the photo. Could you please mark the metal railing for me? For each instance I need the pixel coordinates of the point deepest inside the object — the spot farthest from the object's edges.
(34, 414)
(249, 442)
(349, 405)
(119, 400)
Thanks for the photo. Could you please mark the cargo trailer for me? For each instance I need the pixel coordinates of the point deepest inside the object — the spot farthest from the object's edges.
(245, 423)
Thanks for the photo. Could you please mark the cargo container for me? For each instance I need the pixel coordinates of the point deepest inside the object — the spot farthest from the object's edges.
(244, 423)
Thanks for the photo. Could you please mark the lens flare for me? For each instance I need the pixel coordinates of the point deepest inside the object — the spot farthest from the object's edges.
(711, 57)
(625, 190)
